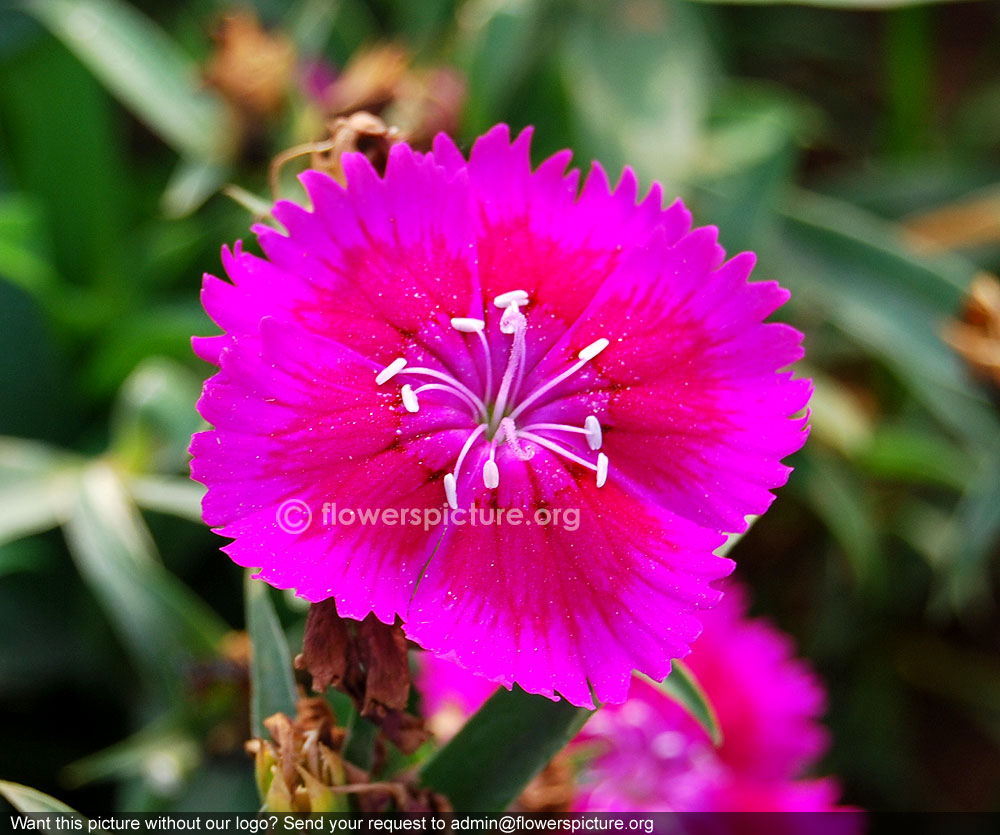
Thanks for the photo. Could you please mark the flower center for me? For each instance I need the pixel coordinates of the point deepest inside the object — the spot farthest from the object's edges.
(497, 413)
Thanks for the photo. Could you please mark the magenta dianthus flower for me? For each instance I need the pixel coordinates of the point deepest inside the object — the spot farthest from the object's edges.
(474, 334)
(651, 754)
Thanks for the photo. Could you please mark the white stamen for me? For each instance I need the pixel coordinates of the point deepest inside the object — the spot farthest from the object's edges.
(451, 479)
(451, 381)
(592, 427)
(557, 427)
(517, 297)
(390, 371)
(519, 324)
(451, 490)
(491, 474)
(585, 356)
(465, 325)
(410, 399)
(602, 469)
(489, 364)
(593, 349)
(554, 447)
(450, 389)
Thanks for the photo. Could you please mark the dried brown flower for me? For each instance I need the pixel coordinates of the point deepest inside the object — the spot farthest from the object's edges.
(368, 661)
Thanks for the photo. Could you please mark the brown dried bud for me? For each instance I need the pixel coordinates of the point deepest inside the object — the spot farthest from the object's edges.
(251, 67)
(419, 102)
(976, 335)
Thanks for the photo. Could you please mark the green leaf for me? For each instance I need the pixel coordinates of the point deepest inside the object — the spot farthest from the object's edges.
(854, 268)
(500, 749)
(37, 486)
(682, 687)
(191, 184)
(175, 495)
(973, 536)
(272, 680)
(143, 67)
(155, 415)
(163, 754)
(916, 457)
(498, 43)
(160, 620)
(31, 801)
(310, 22)
(844, 504)
(639, 93)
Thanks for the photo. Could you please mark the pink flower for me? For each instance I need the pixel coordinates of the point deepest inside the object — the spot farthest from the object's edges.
(477, 334)
(648, 754)
(651, 755)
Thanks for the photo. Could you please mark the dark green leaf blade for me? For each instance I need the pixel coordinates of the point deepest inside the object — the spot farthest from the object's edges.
(272, 681)
(143, 67)
(500, 749)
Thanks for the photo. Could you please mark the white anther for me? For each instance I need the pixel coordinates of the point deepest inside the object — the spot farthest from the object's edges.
(410, 399)
(451, 490)
(517, 297)
(390, 371)
(592, 427)
(465, 325)
(593, 349)
(491, 474)
(602, 469)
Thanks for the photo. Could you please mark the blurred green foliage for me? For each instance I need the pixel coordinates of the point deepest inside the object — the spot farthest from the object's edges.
(813, 135)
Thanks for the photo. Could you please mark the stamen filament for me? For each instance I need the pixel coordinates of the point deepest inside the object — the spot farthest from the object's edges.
(519, 326)
(586, 355)
(451, 479)
(449, 389)
(489, 363)
(437, 375)
(559, 427)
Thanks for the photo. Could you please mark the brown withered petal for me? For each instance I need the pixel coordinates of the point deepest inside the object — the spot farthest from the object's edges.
(361, 132)
(367, 660)
(551, 791)
(327, 648)
(286, 745)
(383, 652)
(404, 730)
